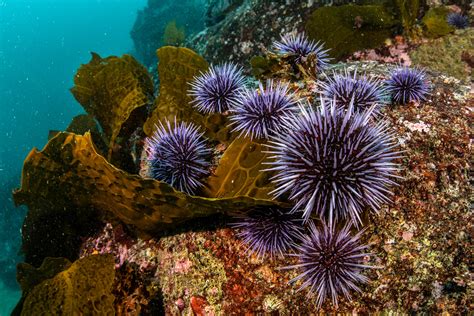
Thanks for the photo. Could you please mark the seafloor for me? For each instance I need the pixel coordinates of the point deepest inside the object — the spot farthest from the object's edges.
(101, 239)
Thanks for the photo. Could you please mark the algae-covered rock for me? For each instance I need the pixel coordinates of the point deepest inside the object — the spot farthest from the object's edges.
(435, 22)
(349, 28)
(69, 173)
(85, 288)
(110, 89)
(445, 54)
(176, 69)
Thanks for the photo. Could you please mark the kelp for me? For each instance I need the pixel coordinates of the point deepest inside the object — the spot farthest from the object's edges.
(173, 35)
(349, 28)
(69, 172)
(239, 172)
(408, 11)
(176, 69)
(110, 89)
(84, 288)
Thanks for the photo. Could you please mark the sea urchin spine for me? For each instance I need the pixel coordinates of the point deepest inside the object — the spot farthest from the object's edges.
(217, 90)
(331, 262)
(334, 163)
(178, 155)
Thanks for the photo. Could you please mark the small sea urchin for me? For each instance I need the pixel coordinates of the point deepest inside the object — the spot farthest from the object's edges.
(259, 113)
(407, 84)
(217, 89)
(300, 47)
(269, 229)
(331, 262)
(362, 91)
(334, 163)
(457, 20)
(178, 155)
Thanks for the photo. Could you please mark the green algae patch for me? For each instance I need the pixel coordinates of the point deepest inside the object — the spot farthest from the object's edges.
(435, 23)
(85, 288)
(349, 28)
(445, 54)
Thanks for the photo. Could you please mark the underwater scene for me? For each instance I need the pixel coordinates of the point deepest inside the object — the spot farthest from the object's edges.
(236, 157)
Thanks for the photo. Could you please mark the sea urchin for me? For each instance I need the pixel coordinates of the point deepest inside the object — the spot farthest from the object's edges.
(331, 262)
(334, 163)
(346, 88)
(217, 89)
(457, 20)
(299, 46)
(259, 113)
(178, 155)
(269, 229)
(407, 84)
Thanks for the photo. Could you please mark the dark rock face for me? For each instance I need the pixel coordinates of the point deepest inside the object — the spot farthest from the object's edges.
(148, 30)
(239, 29)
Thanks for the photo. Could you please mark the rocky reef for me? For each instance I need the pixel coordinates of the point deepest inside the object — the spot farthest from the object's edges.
(134, 245)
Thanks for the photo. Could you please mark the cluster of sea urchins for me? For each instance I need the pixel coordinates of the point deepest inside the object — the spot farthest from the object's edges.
(332, 160)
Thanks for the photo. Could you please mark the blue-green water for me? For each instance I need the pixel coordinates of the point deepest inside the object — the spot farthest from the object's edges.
(42, 43)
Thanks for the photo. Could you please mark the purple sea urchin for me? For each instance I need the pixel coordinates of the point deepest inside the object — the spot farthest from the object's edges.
(407, 84)
(217, 89)
(457, 20)
(346, 88)
(269, 230)
(300, 47)
(331, 262)
(178, 155)
(258, 113)
(334, 163)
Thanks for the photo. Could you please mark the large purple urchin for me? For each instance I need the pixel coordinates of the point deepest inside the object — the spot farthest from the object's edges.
(331, 262)
(457, 20)
(334, 163)
(259, 113)
(178, 155)
(217, 89)
(407, 84)
(300, 47)
(269, 229)
(362, 91)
